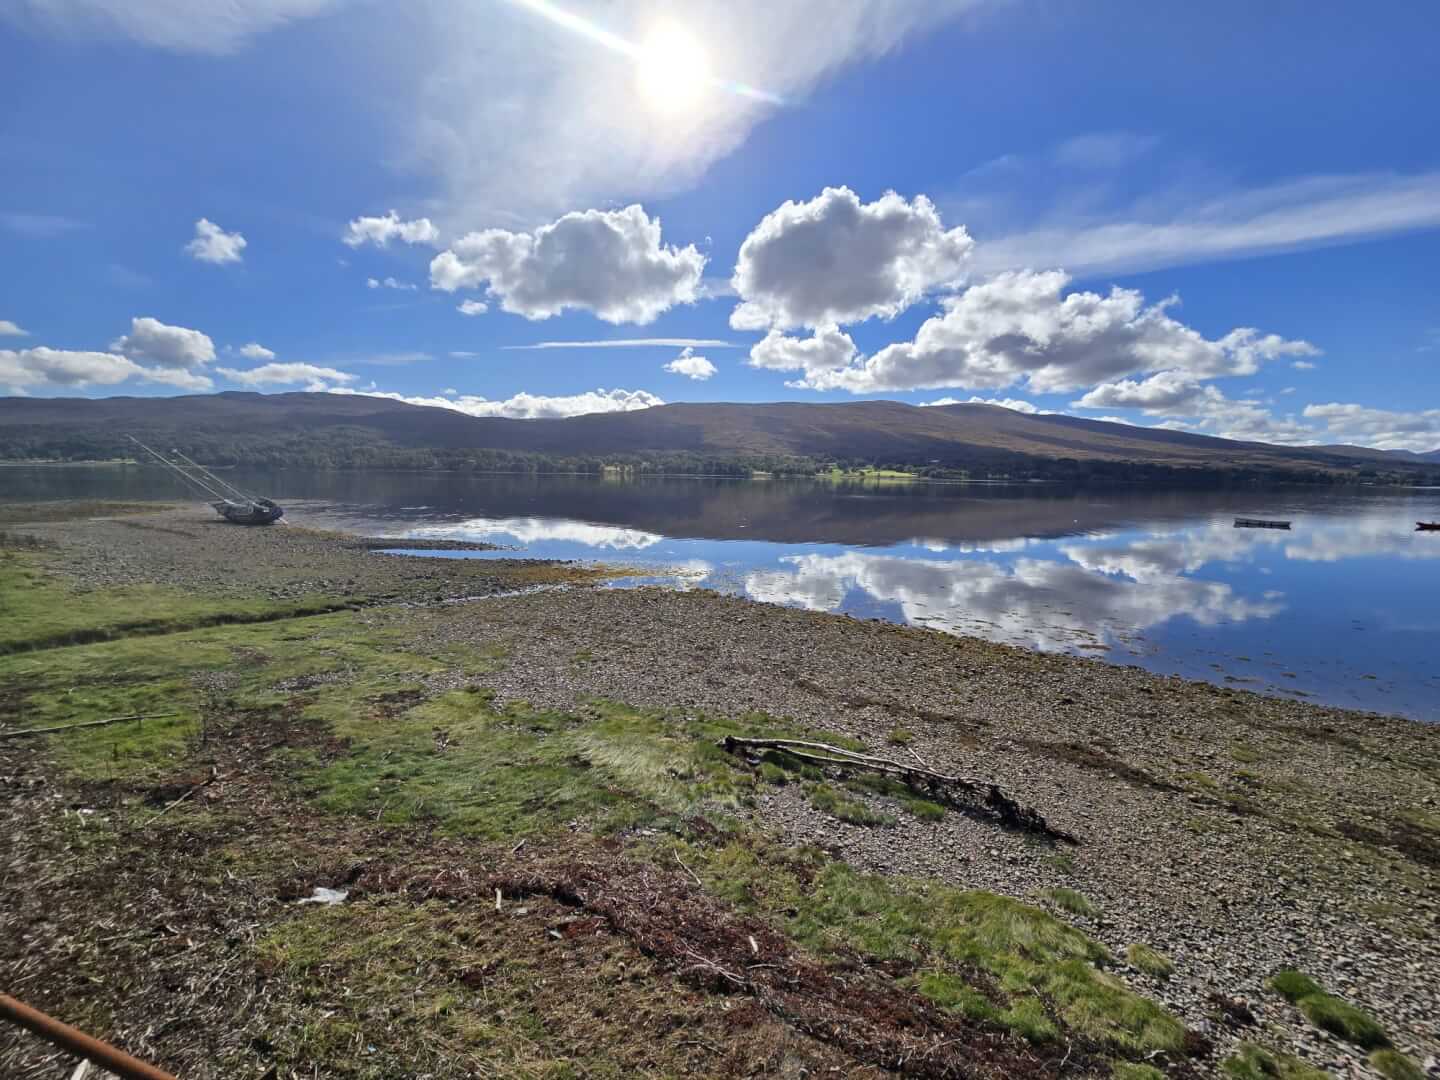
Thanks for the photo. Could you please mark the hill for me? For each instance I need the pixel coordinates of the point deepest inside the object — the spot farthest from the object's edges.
(356, 431)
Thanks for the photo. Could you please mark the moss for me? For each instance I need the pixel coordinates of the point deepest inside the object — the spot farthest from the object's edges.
(1151, 961)
(1073, 902)
(899, 736)
(1251, 1062)
(1293, 985)
(1394, 1065)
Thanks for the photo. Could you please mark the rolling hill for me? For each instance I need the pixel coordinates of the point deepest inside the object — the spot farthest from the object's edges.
(359, 430)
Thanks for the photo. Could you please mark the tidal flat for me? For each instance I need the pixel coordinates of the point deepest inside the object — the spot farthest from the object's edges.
(551, 868)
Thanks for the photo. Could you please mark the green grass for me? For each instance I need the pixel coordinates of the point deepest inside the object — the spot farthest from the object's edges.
(1073, 902)
(828, 800)
(1151, 961)
(1293, 985)
(1044, 971)
(899, 736)
(1129, 1070)
(1394, 1065)
(1328, 1012)
(1251, 1062)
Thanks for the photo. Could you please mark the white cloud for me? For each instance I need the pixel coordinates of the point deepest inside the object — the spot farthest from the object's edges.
(203, 26)
(255, 351)
(42, 225)
(632, 343)
(390, 283)
(1382, 428)
(536, 530)
(1163, 392)
(1303, 365)
(1017, 404)
(315, 378)
(213, 244)
(450, 391)
(9, 329)
(837, 260)
(1023, 326)
(611, 263)
(61, 367)
(825, 352)
(690, 365)
(168, 346)
(530, 406)
(381, 230)
(472, 307)
(1290, 216)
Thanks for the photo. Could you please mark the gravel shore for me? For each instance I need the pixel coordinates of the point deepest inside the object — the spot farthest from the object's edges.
(1237, 834)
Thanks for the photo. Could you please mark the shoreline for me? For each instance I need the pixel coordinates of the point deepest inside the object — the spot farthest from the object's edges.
(1236, 834)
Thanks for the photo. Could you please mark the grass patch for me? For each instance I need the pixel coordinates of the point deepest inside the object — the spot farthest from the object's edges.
(1246, 754)
(1394, 1065)
(73, 510)
(1328, 1012)
(909, 799)
(1151, 961)
(1129, 1070)
(899, 736)
(828, 800)
(1073, 902)
(1251, 1062)
(1040, 972)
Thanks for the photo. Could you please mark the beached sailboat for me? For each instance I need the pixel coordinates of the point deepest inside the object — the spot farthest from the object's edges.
(228, 501)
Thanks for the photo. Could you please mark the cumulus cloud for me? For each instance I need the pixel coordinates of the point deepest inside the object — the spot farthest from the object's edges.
(837, 260)
(690, 365)
(608, 262)
(212, 244)
(313, 377)
(525, 406)
(255, 351)
(826, 351)
(77, 369)
(1023, 326)
(1385, 429)
(472, 307)
(390, 283)
(168, 346)
(1017, 404)
(1165, 391)
(9, 329)
(381, 230)
(631, 343)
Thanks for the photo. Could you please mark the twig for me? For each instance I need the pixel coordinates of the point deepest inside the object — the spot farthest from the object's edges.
(687, 869)
(214, 773)
(87, 723)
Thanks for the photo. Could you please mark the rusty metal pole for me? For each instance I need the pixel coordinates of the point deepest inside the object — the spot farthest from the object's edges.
(77, 1042)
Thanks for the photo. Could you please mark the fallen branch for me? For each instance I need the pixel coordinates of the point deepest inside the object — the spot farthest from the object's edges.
(987, 793)
(214, 775)
(87, 723)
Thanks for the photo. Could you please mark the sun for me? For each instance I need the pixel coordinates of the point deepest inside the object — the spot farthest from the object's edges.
(672, 71)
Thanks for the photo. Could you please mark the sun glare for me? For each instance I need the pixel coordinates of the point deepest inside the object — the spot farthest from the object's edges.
(673, 70)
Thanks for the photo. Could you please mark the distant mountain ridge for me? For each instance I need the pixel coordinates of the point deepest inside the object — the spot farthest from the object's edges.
(959, 436)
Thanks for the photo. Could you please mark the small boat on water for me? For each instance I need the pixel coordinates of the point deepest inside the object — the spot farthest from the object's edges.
(1260, 523)
(232, 504)
(1427, 526)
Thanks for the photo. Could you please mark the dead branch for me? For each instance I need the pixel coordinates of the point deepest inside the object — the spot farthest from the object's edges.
(973, 789)
(87, 723)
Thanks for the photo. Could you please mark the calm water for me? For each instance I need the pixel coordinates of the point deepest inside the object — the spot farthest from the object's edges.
(1344, 608)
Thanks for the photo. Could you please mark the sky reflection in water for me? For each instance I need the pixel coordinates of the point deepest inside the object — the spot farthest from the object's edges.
(1341, 609)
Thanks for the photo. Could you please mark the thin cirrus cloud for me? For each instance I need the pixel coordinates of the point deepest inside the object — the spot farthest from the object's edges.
(631, 343)
(10, 329)
(1290, 216)
(390, 283)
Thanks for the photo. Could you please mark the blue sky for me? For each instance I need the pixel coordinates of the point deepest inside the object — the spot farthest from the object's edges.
(1221, 217)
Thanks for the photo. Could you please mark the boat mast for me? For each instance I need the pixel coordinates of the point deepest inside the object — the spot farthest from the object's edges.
(211, 476)
(202, 485)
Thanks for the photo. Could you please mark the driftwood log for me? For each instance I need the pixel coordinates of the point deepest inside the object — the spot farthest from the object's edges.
(21, 732)
(963, 791)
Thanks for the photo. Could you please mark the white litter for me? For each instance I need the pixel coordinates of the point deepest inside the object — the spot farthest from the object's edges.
(322, 895)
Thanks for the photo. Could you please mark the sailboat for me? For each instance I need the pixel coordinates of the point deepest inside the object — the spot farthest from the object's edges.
(228, 501)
